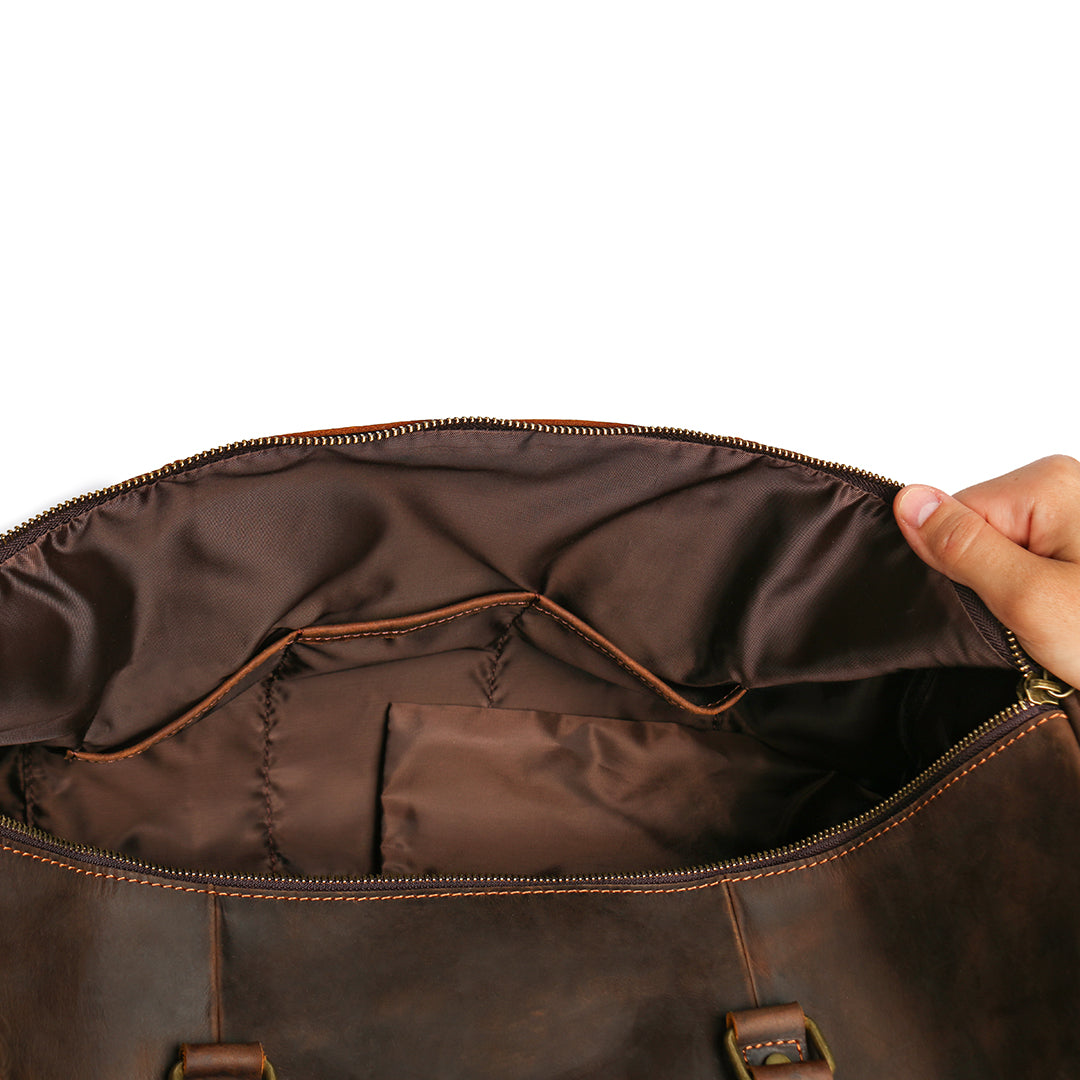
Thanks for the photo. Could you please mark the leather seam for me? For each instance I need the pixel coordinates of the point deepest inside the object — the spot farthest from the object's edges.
(628, 891)
(215, 969)
(741, 943)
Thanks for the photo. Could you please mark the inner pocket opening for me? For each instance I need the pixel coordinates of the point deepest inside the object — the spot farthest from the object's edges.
(497, 741)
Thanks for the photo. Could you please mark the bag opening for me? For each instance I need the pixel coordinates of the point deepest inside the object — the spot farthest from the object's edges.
(480, 653)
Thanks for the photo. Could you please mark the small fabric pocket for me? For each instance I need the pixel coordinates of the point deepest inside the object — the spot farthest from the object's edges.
(491, 791)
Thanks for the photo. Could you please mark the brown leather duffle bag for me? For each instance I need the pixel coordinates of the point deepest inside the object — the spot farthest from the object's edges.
(522, 750)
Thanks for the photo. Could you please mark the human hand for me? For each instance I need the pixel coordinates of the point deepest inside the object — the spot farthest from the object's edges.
(1015, 540)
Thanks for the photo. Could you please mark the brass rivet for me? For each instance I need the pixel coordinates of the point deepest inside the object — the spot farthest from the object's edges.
(778, 1059)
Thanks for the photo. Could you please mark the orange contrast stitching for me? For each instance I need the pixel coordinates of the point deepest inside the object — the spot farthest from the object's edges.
(208, 705)
(214, 700)
(207, 890)
(775, 1042)
(319, 638)
(312, 635)
(665, 692)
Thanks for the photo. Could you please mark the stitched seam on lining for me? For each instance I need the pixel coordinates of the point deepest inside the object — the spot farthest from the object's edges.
(499, 646)
(209, 890)
(309, 635)
(173, 728)
(268, 719)
(662, 691)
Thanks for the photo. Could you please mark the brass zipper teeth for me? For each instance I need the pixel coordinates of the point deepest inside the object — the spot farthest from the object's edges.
(205, 455)
(395, 431)
(786, 853)
(1022, 661)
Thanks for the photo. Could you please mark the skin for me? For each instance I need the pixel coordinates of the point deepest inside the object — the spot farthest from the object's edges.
(1015, 540)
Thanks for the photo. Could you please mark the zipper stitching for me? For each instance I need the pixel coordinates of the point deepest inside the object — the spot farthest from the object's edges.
(985, 734)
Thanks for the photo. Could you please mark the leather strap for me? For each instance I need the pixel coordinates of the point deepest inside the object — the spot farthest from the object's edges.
(771, 1043)
(773, 1029)
(222, 1061)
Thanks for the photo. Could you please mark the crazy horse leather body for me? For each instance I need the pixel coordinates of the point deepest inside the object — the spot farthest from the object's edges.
(509, 737)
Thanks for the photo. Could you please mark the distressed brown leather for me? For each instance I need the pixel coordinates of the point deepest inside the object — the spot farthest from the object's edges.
(222, 1061)
(460, 749)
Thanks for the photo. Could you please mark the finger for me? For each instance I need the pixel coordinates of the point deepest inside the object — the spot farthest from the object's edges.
(958, 542)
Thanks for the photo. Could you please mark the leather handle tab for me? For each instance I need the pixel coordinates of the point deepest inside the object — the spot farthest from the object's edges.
(777, 1042)
(221, 1061)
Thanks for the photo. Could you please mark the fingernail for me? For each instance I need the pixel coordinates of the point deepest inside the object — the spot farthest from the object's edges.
(918, 503)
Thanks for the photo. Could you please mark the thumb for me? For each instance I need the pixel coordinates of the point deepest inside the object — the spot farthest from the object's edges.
(958, 542)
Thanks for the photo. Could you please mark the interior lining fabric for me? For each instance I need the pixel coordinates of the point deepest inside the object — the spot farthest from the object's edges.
(479, 652)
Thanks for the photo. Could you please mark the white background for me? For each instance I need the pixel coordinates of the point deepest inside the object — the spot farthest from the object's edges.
(849, 229)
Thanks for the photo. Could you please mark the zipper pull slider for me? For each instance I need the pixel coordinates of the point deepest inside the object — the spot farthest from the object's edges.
(1042, 688)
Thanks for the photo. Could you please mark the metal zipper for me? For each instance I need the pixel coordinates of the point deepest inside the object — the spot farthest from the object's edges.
(1037, 693)
(64, 511)
(1023, 661)
(978, 739)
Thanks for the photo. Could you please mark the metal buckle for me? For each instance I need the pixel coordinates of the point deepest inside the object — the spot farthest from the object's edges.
(816, 1040)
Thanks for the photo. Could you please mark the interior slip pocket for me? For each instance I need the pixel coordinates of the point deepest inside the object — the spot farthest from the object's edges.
(492, 791)
(499, 736)
(555, 628)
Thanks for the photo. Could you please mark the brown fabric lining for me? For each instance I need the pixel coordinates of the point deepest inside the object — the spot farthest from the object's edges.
(710, 565)
(271, 593)
(321, 713)
(311, 735)
(505, 791)
(543, 890)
